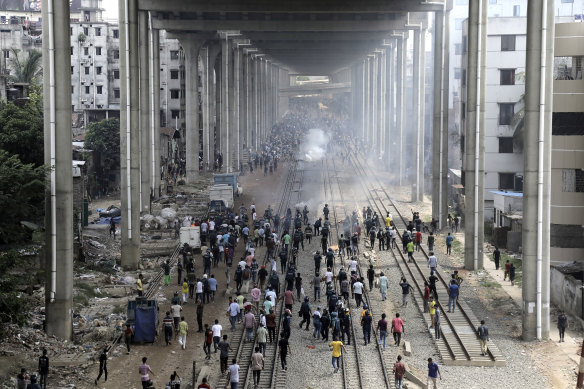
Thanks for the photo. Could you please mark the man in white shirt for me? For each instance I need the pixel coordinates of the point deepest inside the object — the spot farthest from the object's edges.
(217, 330)
(353, 265)
(432, 262)
(211, 225)
(328, 275)
(233, 372)
(233, 312)
(242, 264)
(358, 291)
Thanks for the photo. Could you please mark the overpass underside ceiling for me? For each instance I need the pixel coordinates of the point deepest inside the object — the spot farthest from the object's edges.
(310, 37)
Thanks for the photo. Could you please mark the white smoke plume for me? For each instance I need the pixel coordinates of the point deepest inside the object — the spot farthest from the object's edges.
(313, 147)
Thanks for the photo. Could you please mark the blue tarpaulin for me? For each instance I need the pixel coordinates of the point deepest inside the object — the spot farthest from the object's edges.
(145, 325)
(106, 220)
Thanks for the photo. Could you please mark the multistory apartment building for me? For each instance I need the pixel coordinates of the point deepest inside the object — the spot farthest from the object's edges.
(95, 64)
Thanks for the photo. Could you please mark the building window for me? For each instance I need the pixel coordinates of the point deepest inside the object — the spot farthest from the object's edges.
(458, 23)
(72, 70)
(507, 76)
(116, 33)
(458, 48)
(71, 31)
(506, 112)
(507, 42)
(71, 50)
(516, 10)
(463, 77)
(86, 51)
(72, 89)
(98, 70)
(492, 1)
(506, 181)
(506, 144)
(567, 1)
(86, 31)
(461, 2)
(568, 68)
(87, 70)
(464, 43)
(457, 73)
(175, 114)
(174, 74)
(175, 93)
(116, 54)
(98, 51)
(116, 93)
(572, 180)
(463, 110)
(99, 89)
(97, 31)
(86, 90)
(6, 53)
(174, 54)
(116, 74)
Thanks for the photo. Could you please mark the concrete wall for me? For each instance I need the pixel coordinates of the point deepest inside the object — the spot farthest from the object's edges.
(566, 292)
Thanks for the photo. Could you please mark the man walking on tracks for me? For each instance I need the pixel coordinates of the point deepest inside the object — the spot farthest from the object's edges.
(338, 349)
(483, 333)
(399, 370)
(397, 328)
(257, 365)
(433, 374)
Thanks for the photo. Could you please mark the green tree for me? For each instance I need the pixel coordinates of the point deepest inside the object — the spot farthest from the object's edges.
(21, 132)
(22, 194)
(13, 302)
(104, 138)
(27, 70)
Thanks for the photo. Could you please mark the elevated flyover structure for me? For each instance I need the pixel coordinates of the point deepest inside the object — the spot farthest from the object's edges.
(239, 55)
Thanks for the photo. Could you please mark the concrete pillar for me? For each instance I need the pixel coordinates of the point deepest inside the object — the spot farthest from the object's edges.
(377, 103)
(437, 140)
(417, 115)
(255, 108)
(364, 99)
(400, 105)
(155, 34)
(245, 103)
(191, 47)
(389, 106)
(537, 173)
(59, 194)
(234, 92)
(129, 134)
(205, 104)
(422, 118)
(225, 119)
(475, 137)
(445, 113)
(145, 113)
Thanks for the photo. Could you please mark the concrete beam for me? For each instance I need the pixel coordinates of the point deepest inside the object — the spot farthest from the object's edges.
(258, 37)
(278, 25)
(296, 7)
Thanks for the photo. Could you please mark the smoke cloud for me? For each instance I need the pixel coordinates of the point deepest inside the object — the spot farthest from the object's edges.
(313, 147)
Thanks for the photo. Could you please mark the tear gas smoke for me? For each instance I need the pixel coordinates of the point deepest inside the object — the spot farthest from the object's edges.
(313, 147)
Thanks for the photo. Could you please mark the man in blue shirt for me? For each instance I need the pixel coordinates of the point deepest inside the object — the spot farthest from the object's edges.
(449, 240)
(452, 295)
(433, 374)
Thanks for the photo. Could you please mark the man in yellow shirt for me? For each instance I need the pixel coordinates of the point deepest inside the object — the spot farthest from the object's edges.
(337, 352)
(432, 312)
(139, 285)
(183, 329)
(388, 220)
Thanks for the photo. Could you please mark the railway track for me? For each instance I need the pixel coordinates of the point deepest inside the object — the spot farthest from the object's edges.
(272, 376)
(458, 343)
(353, 360)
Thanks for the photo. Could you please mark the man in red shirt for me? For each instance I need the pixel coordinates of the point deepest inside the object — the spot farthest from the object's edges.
(208, 341)
(288, 299)
(399, 370)
(426, 296)
(204, 385)
(397, 327)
